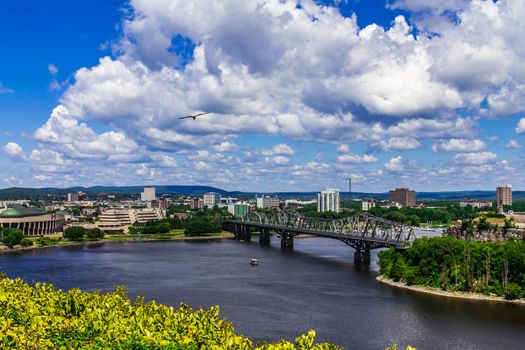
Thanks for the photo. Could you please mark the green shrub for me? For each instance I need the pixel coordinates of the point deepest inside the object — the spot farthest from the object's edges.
(26, 242)
(94, 234)
(513, 292)
(74, 233)
(41, 317)
(12, 236)
(201, 227)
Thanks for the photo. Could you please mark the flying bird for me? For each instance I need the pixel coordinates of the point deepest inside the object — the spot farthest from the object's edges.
(194, 116)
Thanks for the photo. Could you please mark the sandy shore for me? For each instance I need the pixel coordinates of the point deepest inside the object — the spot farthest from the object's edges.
(444, 293)
(6, 250)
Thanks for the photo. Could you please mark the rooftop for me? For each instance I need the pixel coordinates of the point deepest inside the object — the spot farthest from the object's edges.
(22, 212)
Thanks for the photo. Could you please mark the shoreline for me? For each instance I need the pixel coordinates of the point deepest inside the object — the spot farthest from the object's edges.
(448, 294)
(122, 240)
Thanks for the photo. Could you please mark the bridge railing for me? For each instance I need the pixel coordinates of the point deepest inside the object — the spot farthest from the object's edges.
(356, 226)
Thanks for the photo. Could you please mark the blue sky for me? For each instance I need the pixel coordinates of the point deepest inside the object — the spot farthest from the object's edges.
(302, 94)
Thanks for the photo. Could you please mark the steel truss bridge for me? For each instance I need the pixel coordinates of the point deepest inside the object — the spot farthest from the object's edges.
(362, 232)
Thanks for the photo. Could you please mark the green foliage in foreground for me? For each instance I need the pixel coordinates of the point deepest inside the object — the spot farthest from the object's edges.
(41, 317)
(457, 265)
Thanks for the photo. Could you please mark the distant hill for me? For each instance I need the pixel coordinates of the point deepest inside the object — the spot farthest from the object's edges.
(19, 192)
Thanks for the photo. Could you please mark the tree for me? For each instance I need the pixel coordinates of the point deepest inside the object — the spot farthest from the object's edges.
(74, 233)
(94, 234)
(12, 236)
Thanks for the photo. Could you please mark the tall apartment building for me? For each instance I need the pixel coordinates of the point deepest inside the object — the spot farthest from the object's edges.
(73, 197)
(503, 195)
(238, 209)
(267, 202)
(367, 204)
(211, 198)
(196, 203)
(328, 200)
(148, 194)
(403, 196)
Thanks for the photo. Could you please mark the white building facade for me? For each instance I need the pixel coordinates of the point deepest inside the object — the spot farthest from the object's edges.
(211, 198)
(267, 202)
(148, 194)
(328, 200)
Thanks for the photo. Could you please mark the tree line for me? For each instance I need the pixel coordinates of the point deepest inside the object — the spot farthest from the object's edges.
(460, 265)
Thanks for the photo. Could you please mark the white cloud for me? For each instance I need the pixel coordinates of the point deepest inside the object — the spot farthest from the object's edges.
(395, 165)
(513, 144)
(459, 145)
(475, 158)
(356, 159)
(225, 146)
(280, 149)
(277, 160)
(52, 69)
(14, 151)
(520, 128)
(399, 144)
(343, 148)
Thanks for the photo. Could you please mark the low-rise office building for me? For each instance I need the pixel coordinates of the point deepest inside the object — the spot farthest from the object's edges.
(32, 221)
(120, 219)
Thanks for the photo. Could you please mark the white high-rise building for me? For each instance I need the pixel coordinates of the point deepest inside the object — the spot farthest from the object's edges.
(73, 197)
(267, 202)
(211, 199)
(148, 194)
(328, 200)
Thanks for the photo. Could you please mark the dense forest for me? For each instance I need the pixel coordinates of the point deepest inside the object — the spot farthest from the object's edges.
(458, 265)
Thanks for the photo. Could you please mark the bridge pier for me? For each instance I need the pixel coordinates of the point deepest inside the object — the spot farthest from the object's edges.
(264, 237)
(286, 241)
(362, 256)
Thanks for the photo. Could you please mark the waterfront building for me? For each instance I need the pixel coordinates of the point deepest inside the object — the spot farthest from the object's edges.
(73, 197)
(238, 209)
(148, 194)
(32, 221)
(267, 202)
(119, 219)
(328, 200)
(503, 195)
(474, 204)
(367, 204)
(211, 198)
(403, 196)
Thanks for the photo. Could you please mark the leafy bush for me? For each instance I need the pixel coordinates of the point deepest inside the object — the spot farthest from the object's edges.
(41, 317)
(201, 227)
(94, 234)
(514, 291)
(74, 233)
(12, 236)
(26, 242)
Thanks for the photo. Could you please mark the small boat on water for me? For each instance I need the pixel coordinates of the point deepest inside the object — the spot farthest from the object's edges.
(254, 262)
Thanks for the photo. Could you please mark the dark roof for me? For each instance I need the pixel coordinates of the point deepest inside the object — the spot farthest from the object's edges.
(22, 212)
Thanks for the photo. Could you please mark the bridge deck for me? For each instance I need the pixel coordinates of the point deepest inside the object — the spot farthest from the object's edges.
(379, 241)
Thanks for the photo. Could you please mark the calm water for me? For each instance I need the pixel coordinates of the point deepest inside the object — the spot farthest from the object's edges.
(316, 286)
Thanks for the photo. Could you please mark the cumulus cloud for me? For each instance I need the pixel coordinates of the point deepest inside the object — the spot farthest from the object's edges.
(14, 151)
(398, 144)
(475, 158)
(356, 159)
(513, 144)
(226, 146)
(52, 69)
(280, 149)
(520, 128)
(459, 145)
(343, 148)
(395, 165)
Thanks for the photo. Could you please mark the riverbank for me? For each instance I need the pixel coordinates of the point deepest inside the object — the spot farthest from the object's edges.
(58, 242)
(445, 293)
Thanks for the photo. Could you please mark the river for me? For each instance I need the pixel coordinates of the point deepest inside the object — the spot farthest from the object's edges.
(315, 286)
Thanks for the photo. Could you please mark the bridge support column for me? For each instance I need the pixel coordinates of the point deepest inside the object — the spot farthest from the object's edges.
(264, 237)
(286, 241)
(362, 256)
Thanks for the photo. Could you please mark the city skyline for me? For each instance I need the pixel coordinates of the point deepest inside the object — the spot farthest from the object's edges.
(427, 96)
